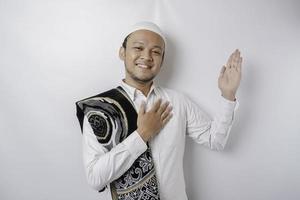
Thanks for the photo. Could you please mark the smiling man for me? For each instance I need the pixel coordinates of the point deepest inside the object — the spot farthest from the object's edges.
(134, 135)
(143, 57)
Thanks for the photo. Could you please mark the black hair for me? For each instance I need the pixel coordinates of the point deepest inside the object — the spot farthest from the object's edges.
(124, 44)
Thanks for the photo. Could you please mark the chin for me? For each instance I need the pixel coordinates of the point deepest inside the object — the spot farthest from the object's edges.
(143, 79)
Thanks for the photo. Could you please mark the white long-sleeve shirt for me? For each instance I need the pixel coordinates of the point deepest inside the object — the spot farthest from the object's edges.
(103, 166)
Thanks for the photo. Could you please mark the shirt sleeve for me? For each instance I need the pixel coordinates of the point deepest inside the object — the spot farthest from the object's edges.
(212, 133)
(103, 166)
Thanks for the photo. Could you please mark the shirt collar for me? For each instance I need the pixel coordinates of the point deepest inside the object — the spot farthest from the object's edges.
(132, 91)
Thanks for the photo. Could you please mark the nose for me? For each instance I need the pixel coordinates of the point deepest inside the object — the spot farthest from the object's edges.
(146, 55)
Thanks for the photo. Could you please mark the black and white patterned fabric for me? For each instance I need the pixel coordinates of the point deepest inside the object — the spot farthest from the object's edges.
(113, 117)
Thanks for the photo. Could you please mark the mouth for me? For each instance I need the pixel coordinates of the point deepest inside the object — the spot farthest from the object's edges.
(143, 66)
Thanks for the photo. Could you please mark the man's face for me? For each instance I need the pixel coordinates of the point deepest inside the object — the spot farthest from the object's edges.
(143, 56)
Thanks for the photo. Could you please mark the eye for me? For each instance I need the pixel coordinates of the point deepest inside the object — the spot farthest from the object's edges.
(138, 48)
(157, 52)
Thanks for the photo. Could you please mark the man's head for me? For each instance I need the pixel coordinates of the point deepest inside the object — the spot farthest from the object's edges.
(143, 52)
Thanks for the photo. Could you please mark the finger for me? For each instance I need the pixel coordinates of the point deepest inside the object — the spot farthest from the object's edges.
(239, 64)
(235, 58)
(165, 121)
(223, 69)
(156, 105)
(229, 61)
(163, 107)
(142, 108)
(166, 112)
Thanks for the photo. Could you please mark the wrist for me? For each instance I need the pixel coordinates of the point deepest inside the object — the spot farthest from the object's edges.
(143, 134)
(229, 96)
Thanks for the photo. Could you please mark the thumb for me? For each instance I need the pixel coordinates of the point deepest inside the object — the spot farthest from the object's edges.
(142, 108)
(222, 70)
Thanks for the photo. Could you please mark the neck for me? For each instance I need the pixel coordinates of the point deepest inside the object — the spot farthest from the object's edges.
(142, 86)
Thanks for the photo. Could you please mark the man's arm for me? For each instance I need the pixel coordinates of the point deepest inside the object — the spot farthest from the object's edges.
(103, 166)
(214, 133)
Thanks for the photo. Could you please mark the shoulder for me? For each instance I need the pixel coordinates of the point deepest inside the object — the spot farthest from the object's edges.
(170, 92)
(177, 98)
(86, 98)
(106, 93)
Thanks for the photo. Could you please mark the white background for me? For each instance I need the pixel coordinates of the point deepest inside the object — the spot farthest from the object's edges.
(53, 53)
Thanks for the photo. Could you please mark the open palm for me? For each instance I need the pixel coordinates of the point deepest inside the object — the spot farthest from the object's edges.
(230, 76)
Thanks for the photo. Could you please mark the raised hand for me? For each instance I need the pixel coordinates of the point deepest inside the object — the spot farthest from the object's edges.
(230, 76)
(151, 122)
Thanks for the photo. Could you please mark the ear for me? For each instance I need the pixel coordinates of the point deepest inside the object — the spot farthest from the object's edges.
(122, 53)
(162, 59)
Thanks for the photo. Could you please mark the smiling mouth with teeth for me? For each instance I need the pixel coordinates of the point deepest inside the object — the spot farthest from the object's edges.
(143, 66)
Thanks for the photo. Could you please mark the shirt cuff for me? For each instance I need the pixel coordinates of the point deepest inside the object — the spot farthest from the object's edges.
(228, 105)
(135, 144)
(227, 109)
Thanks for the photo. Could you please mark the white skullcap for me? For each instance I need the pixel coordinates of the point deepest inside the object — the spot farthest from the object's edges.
(146, 25)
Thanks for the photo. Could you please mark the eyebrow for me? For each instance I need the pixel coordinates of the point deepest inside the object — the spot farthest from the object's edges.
(155, 46)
